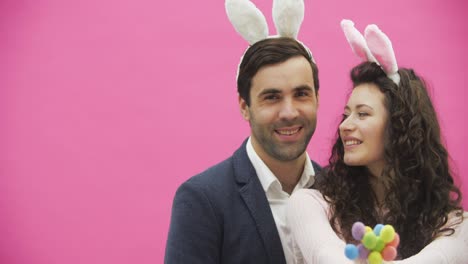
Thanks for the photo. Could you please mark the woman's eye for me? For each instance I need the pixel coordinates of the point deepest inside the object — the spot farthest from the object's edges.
(363, 114)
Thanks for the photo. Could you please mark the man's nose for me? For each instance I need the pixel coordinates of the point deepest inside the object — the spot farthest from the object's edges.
(288, 110)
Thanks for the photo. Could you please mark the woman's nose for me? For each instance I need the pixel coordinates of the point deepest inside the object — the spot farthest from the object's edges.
(347, 124)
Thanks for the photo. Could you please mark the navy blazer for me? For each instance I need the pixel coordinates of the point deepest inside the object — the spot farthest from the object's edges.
(222, 215)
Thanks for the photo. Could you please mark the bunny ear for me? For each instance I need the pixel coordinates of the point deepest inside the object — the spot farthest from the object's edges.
(248, 21)
(381, 47)
(288, 16)
(357, 41)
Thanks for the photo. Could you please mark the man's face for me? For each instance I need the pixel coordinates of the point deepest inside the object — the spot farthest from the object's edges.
(283, 109)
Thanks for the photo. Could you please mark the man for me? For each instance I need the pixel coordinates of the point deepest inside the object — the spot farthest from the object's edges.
(234, 211)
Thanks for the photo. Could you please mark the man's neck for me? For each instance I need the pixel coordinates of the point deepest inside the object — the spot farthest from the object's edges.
(287, 172)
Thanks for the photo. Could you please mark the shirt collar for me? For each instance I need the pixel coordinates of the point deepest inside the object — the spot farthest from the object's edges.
(267, 178)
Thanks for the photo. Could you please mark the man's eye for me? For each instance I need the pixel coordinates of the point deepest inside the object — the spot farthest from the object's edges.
(302, 93)
(271, 97)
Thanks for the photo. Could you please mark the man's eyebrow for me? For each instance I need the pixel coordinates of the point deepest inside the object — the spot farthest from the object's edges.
(303, 87)
(269, 91)
(278, 91)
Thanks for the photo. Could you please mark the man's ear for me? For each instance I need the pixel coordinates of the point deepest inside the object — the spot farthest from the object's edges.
(244, 108)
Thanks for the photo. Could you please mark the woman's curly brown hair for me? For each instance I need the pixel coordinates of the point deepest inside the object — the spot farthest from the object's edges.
(420, 188)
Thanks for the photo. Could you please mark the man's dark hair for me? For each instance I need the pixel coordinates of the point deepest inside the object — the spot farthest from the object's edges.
(268, 52)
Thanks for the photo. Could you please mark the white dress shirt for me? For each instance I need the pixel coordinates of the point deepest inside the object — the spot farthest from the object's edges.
(277, 198)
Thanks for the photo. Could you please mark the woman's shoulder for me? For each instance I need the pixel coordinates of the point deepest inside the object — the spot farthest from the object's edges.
(306, 193)
(457, 217)
(308, 196)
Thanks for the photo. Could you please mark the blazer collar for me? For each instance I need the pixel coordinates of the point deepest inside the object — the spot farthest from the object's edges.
(255, 199)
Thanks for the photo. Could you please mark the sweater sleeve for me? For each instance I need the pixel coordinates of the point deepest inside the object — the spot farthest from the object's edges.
(317, 243)
(451, 249)
(307, 216)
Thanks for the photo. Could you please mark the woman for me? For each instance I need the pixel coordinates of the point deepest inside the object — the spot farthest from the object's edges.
(388, 165)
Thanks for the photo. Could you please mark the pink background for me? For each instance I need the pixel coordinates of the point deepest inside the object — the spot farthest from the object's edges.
(107, 106)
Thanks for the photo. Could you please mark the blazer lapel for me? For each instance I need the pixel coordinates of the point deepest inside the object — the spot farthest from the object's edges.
(254, 197)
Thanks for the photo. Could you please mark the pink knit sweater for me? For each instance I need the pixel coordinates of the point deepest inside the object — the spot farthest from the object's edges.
(315, 242)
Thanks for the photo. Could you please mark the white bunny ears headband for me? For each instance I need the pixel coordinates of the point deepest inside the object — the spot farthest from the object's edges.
(251, 24)
(374, 46)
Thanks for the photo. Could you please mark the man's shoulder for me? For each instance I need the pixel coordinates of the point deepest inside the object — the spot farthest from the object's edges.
(217, 178)
(218, 172)
(223, 174)
(216, 185)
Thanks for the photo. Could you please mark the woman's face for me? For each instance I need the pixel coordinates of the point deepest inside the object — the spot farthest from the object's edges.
(363, 128)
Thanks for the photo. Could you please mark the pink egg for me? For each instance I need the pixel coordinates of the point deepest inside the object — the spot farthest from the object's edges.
(389, 253)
